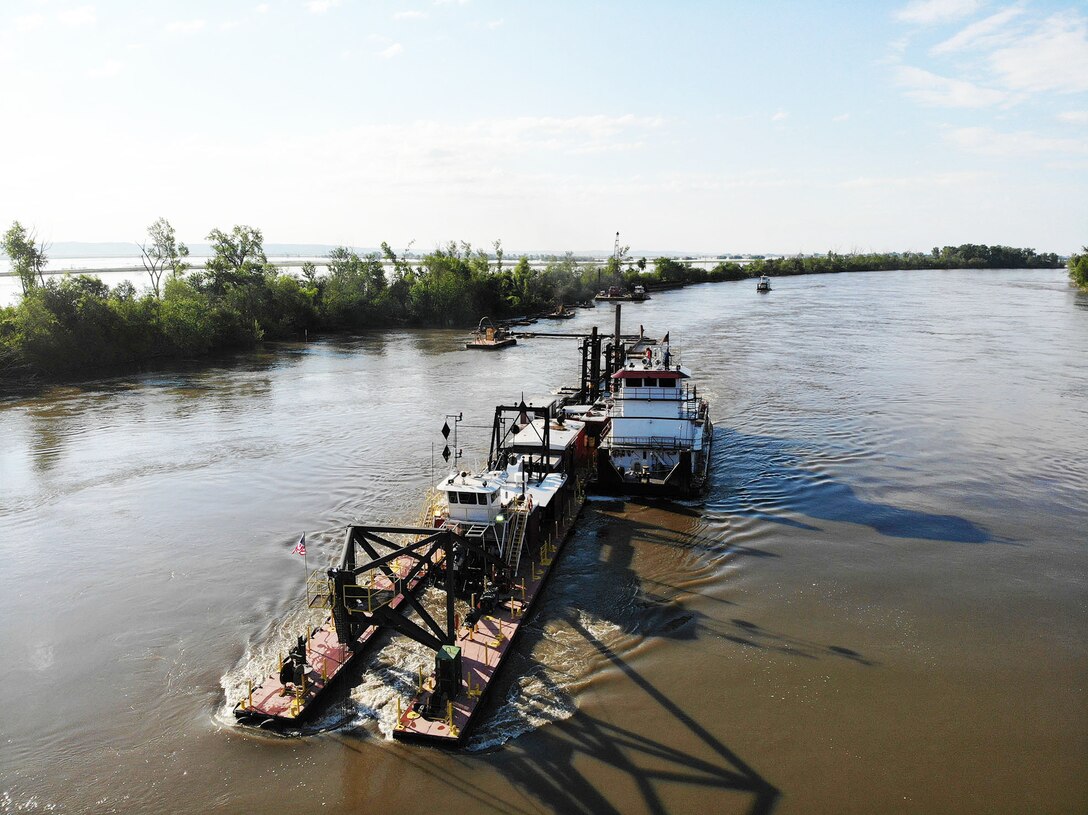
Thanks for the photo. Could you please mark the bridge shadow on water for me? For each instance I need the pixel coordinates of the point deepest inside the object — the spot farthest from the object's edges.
(764, 476)
(651, 750)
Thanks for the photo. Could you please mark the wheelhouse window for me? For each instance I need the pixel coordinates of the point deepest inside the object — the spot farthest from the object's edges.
(633, 383)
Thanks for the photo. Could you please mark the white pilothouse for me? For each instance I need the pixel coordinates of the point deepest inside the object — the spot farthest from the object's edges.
(528, 485)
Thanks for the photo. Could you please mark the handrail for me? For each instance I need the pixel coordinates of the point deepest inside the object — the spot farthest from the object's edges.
(517, 537)
(652, 442)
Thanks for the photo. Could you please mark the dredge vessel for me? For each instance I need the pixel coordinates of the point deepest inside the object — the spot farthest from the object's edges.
(489, 540)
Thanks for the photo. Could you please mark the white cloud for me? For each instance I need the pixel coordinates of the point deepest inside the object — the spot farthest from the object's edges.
(941, 91)
(393, 50)
(842, 117)
(984, 33)
(450, 2)
(780, 116)
(321, 6)
(28, 22)
(186, 26)
(410, 15)
(493, 24)
(262, 8)
(1052, 58)
(84, 15)
(926, 12)
(228, 25)
(109, 68)
(989, 142)
(1074, 116)
(921, 181)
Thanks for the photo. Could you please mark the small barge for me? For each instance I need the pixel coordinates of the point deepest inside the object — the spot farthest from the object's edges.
(618, 293)
(489, 337)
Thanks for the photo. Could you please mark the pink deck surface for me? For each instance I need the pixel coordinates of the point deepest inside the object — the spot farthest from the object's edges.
(482, 652)
(324, 654)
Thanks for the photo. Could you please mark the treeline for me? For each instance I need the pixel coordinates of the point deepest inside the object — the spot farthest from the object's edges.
(78, 325)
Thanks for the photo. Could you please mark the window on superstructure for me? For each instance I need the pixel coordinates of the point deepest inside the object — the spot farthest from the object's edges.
(634, 383)
(452, 497)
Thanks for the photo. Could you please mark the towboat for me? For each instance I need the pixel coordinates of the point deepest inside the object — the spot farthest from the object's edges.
(488, 540)
(659, 437)
(764, 284)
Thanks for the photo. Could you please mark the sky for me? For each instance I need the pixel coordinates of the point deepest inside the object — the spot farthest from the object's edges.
(687, 125)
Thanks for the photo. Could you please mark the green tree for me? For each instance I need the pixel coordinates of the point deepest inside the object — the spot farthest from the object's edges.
(161, 252)
(1078, 269)
(239, 259)
(27, 256)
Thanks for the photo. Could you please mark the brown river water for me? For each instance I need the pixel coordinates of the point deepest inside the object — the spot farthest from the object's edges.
(880, 606)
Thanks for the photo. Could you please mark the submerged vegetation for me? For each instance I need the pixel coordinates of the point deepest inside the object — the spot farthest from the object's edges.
(78, 325)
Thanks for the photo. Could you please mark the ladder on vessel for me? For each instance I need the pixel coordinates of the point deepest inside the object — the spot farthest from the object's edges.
(519, 522)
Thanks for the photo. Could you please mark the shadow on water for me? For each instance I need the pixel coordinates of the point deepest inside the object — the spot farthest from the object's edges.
(762, 476)
(560, 764)
(547, 768)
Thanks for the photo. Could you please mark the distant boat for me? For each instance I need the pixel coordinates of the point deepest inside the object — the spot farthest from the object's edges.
(764, 284)
(561, 313)
(489, 337)
(619, 293)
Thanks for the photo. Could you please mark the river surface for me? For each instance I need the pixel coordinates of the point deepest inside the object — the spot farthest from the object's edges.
(880, 606)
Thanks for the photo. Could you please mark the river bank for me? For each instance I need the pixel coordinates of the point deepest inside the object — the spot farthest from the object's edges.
(63, 331)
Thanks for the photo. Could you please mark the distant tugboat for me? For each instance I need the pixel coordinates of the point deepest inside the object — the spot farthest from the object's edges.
(489, 337)
(764, 284)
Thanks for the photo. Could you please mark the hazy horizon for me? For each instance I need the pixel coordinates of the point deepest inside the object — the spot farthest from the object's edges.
(805, 128)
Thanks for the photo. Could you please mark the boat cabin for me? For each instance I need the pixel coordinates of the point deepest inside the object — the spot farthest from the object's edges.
(472, 499)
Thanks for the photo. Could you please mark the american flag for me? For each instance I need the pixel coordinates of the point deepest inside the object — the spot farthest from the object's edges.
(300, 547)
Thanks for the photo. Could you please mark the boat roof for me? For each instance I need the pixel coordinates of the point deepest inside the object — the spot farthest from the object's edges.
(469, 482)
(633, 370)
(560, 436)
(510, 481)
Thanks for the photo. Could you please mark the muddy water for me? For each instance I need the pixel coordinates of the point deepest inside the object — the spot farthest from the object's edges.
(880, 606)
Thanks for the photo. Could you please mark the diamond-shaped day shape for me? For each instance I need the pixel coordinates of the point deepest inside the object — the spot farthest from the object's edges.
(445, 430)
(446, 452)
